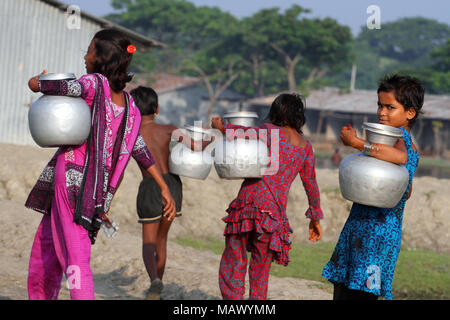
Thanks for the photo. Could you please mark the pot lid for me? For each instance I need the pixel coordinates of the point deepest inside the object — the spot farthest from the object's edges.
(57, 76)
(383, 129)
(241, 114)
(197, 129)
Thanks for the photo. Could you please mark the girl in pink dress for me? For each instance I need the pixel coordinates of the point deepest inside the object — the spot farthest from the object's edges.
(75, 190)
(257, 220)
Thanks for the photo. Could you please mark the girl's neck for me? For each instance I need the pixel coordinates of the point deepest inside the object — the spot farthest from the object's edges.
(148, 118)
(290, 129)
(407, 128)
(118, 98)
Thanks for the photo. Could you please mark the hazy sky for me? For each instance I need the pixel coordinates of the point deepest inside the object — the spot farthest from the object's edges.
(348, 12)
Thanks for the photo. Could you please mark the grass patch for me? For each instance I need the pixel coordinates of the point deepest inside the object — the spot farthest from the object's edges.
(422, 274)
(322, 154)
(419, 274)
(336, 190)
(434, 162)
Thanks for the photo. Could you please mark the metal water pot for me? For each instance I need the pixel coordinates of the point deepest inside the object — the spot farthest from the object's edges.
(59, 120)
(188, 163)
(366, 180)
(241, 158)
(240, 118)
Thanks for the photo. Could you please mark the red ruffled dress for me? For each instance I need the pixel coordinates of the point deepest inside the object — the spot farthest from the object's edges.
(261, 203)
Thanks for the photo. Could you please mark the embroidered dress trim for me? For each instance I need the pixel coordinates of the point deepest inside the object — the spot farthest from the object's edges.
(47, 174)
(74, 88)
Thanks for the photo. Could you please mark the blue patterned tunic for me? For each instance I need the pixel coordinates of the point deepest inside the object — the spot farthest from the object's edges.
(368, 247)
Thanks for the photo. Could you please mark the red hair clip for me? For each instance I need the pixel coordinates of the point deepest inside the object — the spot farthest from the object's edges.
(131, 49)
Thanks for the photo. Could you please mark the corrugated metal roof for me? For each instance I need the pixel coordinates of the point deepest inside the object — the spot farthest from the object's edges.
(103, 23)
(34, 37)
(360, 101)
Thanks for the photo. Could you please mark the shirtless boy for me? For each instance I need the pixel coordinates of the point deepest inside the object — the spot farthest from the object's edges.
(156, 224)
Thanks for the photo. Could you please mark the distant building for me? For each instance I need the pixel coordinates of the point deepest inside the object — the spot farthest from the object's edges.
(184, 100)
(37, 35)
(328, 110)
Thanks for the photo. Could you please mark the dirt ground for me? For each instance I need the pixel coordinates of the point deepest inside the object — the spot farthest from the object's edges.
(119, 272)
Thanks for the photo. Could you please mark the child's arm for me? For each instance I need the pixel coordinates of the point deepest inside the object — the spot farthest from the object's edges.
(194, 145)
(308, 176)
(396, 154)
(237, 130)
(167, 199)
(141, 154)
(84, 87)
(217, 123)
(33, 83)
(314, 212)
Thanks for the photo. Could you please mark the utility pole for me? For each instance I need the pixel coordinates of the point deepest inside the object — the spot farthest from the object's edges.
(353, 78)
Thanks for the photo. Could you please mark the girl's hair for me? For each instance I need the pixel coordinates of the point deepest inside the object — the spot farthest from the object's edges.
(145, 99)
(288, 109)
(112, 57)
(408, 91)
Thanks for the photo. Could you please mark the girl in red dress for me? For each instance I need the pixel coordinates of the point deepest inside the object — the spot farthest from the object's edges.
(257, 220)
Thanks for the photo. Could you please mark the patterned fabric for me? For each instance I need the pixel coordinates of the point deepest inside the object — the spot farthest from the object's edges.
(60, 247)
(261, 203)
(101, 160)
(233, 266)
(368, 246)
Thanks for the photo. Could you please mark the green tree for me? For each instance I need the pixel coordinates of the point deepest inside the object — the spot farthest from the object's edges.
(436, 77)
(268, 51)
(212, 53)
(405, 46)
(195, 39)
(159, 19)
(441, 58)
(319, 44)
(408, 40)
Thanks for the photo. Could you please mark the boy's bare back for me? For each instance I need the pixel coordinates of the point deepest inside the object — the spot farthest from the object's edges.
(157, 137)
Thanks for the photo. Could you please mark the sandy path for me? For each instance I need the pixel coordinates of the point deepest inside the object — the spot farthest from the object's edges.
(119, 272)
(118, 269)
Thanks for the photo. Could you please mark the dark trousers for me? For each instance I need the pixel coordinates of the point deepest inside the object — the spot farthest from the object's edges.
(341, 292)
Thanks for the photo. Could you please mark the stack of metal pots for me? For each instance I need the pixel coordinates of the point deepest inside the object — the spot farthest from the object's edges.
(237, 158)
(366, 180)
(59, 120)
(240, 158)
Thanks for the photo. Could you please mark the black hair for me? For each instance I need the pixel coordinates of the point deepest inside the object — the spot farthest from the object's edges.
(112, 57)
(408, 91)
(145, 99)
(288, 109)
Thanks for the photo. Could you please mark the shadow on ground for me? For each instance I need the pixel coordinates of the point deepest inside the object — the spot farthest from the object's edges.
(174, 291)
(116, 286)
(110, 286)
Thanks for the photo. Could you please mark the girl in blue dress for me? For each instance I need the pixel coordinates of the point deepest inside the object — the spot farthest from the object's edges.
(363, 262)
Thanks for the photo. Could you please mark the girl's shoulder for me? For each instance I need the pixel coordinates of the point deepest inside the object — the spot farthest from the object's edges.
(413, 155)
(407, 139)
(134, 110)
(93, 78)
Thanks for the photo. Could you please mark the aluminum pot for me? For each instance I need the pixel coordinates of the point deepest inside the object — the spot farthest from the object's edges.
(59, 120)
(366, 180)
(188, 163)
(380, 133)
(240, 158)
(241, 118)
